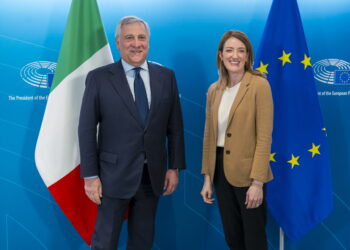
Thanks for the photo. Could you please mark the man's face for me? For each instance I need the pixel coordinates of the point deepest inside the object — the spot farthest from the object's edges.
(133, 43)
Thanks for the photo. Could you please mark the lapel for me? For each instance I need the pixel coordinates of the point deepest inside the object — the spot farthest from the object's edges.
(241, 93)
(120, 84)
(156, 91)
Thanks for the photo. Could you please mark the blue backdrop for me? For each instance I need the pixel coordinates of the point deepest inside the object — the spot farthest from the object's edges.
(184, 36)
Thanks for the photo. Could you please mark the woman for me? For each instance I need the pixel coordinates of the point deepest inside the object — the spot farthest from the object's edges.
(237, 142)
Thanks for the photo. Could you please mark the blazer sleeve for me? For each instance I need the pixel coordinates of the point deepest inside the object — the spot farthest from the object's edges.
(206, 136)
(264, 122)
(175, 130)
(87, 129)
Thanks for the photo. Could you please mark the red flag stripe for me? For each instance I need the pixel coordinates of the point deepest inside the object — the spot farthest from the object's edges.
(70, 195)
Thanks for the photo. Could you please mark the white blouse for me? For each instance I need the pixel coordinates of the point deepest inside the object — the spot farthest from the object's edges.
(227, 99)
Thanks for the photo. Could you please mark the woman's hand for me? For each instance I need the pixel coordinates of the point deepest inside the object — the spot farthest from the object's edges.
(207, 190)
(254, 196)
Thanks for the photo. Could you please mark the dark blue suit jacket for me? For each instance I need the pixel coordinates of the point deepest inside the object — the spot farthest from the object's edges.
(116, 152)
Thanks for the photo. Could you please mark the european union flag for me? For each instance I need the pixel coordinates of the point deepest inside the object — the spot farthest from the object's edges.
(300, 195)
(342, 77)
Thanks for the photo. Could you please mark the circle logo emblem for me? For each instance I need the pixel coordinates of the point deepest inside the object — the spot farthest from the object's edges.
(332, 71)
(39, 73)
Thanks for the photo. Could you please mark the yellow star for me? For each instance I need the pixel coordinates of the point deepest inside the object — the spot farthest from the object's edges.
(314, 150)
(294, 161)
(285, 58)
(325, 130)
(272, 157)
(306, 61)
(262, 68)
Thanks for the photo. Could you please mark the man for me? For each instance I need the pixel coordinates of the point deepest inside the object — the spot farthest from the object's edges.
(135, 106)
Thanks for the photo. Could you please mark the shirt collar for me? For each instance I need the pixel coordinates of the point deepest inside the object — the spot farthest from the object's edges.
(127, 67)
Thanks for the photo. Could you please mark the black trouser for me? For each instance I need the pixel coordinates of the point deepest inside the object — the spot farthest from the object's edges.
(141, 220)
(244, 228)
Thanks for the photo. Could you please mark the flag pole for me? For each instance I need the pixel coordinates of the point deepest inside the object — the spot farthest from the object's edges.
(281, 239)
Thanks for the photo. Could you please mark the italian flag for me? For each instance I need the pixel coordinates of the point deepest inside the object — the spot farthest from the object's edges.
(84, 48)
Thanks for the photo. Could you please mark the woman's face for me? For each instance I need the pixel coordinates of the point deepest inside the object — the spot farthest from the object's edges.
(234, 55)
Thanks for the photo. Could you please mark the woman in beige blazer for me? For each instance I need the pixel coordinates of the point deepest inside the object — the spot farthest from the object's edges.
(237, 142)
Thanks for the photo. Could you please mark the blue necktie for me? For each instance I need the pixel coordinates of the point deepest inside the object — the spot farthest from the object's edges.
(140, 96)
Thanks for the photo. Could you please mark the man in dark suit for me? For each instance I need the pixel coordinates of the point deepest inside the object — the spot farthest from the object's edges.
(131, 139)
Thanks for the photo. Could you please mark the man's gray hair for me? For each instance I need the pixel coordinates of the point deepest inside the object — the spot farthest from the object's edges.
(128, 20)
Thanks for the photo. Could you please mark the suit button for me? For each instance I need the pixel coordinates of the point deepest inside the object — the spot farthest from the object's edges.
(229, 134)
(228, 152)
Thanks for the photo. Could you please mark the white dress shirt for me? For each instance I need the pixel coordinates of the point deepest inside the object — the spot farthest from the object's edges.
(130, 76)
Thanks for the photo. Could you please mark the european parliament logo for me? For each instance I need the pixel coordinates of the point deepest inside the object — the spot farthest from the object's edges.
(39, 74)
(332, 71)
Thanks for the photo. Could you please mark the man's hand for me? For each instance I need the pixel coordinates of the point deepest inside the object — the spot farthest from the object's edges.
(171, 181)
(93, 189)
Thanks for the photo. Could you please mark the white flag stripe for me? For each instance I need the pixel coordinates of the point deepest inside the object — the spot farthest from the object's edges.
(57, 150)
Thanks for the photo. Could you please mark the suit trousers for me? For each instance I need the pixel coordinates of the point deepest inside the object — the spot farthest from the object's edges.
(244, 228)
(141, 219)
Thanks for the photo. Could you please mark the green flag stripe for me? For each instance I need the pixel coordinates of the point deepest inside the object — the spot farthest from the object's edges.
(83, 37)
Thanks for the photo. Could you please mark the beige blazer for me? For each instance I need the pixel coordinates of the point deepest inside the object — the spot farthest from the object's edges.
(248, 134)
